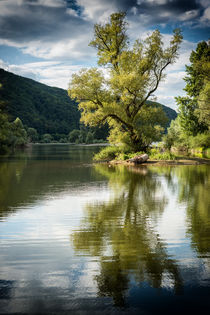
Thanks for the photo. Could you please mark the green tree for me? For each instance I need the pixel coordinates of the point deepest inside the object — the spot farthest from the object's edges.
(19, 134)
(194, 109)
(46, 138)
(89, 137)
(4, 132)
(74, 135)
(134, 74)
(191, 127)
(32, 134)
(203, 110)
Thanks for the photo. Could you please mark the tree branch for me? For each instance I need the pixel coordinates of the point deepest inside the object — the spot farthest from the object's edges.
(119, 120)
(158, 78)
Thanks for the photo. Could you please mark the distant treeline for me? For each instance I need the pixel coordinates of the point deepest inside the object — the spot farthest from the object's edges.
(45, 114)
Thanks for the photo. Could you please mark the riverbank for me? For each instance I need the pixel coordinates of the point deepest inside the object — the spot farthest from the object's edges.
(178, 161)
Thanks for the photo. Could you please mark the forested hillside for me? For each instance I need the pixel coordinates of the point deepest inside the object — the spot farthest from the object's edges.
(47, 109)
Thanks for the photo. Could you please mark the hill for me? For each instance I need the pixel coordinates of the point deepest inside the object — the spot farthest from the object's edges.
(170, 113)
(47, 109)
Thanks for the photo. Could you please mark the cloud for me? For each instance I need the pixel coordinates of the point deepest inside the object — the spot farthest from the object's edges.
(58, 32)
(52, 73)
(45, 29)
(205, 19)
(62, 29)
(188, 15)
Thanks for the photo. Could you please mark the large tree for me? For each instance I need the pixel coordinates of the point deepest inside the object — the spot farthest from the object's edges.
(194, 108)
(119, 94)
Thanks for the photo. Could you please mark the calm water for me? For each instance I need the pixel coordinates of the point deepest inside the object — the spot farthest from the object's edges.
(82, 239)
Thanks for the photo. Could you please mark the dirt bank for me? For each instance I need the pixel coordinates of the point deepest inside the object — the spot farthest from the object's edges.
(178, 161)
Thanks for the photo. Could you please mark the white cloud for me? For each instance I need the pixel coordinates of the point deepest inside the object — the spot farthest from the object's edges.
(72, 12)
(188, 15)
(206, 16)
(47, 3)
(204, 3)
(97, 10)
(3, 64)
(48, 72)
(160, 2)
(71, 49)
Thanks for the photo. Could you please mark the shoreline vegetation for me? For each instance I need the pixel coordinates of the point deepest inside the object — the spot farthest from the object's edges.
(118, 107)
(177, 161)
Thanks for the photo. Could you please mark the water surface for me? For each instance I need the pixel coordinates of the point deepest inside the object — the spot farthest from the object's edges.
(78, 238)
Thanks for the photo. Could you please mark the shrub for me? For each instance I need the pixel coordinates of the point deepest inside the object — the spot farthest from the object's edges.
(107, 154)
(155, 154)
(202, 140)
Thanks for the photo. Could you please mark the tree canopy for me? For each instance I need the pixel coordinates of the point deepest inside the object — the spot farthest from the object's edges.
(191, 127)
(194, 108)
(118, 94)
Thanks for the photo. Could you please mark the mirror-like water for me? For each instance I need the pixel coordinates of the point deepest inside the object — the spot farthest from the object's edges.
(78, 238)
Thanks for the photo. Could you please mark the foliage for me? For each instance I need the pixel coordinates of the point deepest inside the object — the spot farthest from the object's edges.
(46, 138)
(11, 134)
(4, 132)
(191, 127)
(122, 156)
(32, 135)
(87, 135)
(119, 153)
(18, 133)
(156, 154)
(74, 135)
(200, 140)
(108, 153)
(133, 76)
(203, 110)
(194, 110)
(47, 109)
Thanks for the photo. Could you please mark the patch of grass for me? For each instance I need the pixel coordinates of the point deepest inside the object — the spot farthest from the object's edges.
(107, 154)
(156, 154)
(126, 156)
(207, 153)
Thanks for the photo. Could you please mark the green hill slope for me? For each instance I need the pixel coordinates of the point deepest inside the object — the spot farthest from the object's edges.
(47, 109)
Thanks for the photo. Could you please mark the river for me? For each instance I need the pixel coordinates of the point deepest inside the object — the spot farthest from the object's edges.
(79, 238)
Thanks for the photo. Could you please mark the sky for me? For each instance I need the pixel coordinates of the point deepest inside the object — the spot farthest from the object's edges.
(47, 40)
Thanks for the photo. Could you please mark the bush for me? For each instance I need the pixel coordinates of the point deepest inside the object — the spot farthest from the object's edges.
(119, 153)
(207, 153)
(107, 154)
(122, 156)
(202, 140)
(46, 138)
(156, 154)
(74, 135)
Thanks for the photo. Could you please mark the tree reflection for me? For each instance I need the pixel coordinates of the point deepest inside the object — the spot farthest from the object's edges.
(192, 184)
(120, 231)
(194, 188)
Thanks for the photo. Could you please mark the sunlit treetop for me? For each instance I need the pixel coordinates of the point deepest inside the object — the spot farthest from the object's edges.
(134, 74)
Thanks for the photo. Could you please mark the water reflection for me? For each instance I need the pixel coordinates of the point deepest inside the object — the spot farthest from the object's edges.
(42, 170)
(192, 186)
(139, 237)
(121, 233)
